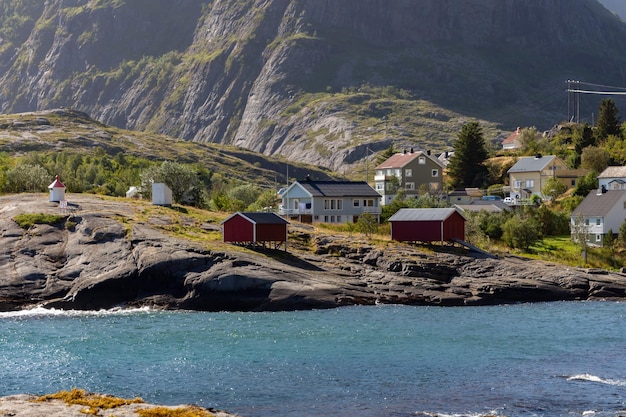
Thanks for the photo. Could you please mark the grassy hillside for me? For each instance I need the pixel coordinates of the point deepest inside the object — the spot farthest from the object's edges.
(26, 135)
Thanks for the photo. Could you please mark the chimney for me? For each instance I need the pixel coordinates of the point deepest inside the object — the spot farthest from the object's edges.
(428, 152)
(538, 156)
(308, 178)
(403, 151)
(604, 189)
(446, 155)
(411, 150)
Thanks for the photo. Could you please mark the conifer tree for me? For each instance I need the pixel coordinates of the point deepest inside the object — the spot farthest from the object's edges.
(608, 120)
(466, 167)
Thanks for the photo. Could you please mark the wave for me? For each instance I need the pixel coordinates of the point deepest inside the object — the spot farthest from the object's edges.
(53, 312)
(597, 379)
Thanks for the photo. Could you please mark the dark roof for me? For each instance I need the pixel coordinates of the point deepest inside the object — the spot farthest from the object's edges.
(260, 218)
(598, 205)
(339, 189)
(422, 214)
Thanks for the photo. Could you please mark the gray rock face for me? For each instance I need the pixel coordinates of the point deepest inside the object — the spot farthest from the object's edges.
(252, 73)
(105, 261)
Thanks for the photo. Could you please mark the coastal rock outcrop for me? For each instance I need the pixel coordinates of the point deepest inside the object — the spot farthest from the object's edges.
(105, 257)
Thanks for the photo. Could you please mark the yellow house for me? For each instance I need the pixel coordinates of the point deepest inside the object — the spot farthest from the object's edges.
(530, 173)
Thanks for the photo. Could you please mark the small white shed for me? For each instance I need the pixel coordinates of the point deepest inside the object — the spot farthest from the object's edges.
(57, 190)
(161, 194)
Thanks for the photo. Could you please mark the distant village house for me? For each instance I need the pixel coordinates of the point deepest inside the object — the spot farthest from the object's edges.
(411, 171)
(329, 201)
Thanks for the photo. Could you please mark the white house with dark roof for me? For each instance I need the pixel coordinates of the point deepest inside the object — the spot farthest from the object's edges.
(410, 171)
(598, 213)
(329, 201)
(612, 178)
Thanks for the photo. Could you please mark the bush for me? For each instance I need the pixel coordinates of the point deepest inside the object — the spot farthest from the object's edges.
(27, 178)
(520, 233)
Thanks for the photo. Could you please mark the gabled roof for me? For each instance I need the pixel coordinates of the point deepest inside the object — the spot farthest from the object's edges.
(400, 160)
(422, 214)
(598, 205)
(532, 163)
(513, 138)
(259, 218)
(56, 183)
(613, 172)
(339, 189)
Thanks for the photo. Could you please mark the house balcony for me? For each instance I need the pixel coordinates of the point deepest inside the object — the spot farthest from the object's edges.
(386, 177)
(371, 210)
(293, 212)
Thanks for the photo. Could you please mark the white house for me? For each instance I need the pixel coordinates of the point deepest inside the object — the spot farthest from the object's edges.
(57, 190)
(161, 194)
(329, 201)
(599, 212)
(612, 178)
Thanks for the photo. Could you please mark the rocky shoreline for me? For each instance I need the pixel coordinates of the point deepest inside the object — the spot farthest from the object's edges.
(103, 257)
(24, 405)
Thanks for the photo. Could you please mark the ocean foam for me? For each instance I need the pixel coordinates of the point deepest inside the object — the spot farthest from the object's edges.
(594, 378)
(53, 312)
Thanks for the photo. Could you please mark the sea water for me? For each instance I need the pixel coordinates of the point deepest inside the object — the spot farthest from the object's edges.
(547, 359)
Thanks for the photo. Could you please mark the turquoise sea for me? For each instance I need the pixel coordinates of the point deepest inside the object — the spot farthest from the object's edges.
(549, 359)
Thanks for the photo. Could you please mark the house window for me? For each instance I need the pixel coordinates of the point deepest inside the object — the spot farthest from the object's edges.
(380, 187)
(598, 238)
(410, 186)
(421, 160)
(333, 204)
(573, 183)
(586, 222)
(368, 203)
(598, 222)
(518, 184)
(433, 186)
(434, 173)
(530, 183)
(355, 203)
(408, 172)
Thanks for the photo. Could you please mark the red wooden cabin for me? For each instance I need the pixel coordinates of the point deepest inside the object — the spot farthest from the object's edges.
(427, 225)
(255, 229)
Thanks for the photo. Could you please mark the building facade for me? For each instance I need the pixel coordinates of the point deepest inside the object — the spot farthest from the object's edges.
(414, 172)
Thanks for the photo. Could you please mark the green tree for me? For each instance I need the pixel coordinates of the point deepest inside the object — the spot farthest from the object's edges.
(27, 178)
(181, 179)
(553, 188)
(595, 158)
(608, 122)
(582, 137)
(621, 235)
(467, 165)
(367, 224)
(586, 184)
(520, 232)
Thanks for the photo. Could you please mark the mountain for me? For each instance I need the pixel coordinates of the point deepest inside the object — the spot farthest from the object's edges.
(616, 6)
(326, 82)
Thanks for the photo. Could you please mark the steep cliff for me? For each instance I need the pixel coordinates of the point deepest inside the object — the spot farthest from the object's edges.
(316, 80)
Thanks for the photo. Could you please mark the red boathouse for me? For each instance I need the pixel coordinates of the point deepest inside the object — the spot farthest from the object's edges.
(255, 228)
(427, 225)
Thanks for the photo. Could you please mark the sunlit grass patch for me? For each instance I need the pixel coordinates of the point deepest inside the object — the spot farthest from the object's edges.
(26, 220)
(189, 411)
(93, 401)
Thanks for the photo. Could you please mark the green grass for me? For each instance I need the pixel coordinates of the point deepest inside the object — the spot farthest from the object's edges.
(26, 220)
